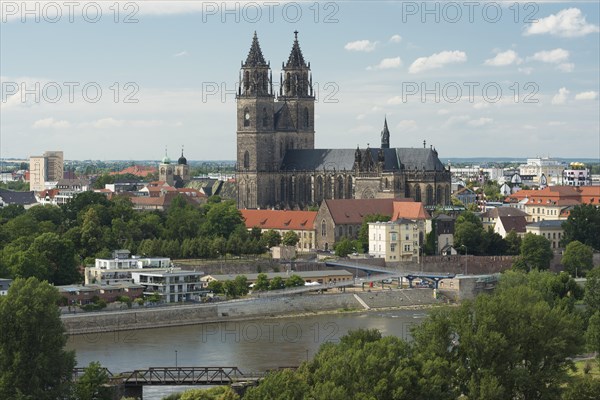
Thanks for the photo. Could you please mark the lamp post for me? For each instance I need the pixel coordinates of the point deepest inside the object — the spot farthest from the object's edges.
(466, 259)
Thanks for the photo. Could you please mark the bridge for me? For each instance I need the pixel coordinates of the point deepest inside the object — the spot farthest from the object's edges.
(133, 382)
(385, 273)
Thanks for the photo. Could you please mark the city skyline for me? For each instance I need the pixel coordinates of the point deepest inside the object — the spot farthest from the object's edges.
(365, 67)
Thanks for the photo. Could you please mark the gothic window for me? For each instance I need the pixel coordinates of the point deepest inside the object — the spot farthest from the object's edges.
(246, 159)
(349, 188)
(429, 195)
(407, 191)
(306, 118)
(350, 231)
(301, 189)
(287, 84)
(265, 118)
(292, 144)
(447, 196)
(305, 84)
(387, 183)
(340, 188)
(246, 117)
(281, 148)
(439, 196)
(323, 228)
(282, 194)
(246, 81)
(319, 189)
(340, 232)
(417, 193)
(291, 189)
(265, 82)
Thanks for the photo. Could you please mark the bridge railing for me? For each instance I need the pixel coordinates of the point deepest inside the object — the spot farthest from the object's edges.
(183, 375)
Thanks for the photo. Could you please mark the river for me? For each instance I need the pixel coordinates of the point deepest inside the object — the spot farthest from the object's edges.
(255, 345)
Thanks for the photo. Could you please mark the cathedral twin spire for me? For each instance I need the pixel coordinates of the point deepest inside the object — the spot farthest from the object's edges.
(295, 80)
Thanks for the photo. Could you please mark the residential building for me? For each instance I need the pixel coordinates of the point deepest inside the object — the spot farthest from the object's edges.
(282, 221)
(577, 175)
(550, 168)
(553, 202)
(171, 285)
(550, 229)
(4, 285)
(492, 216)
(48, 167)
(322, 277)
(444, 230)
(120, 266)
(25, 199)
(85, 294)
(504, 225)
(466, 196)
(395, 241)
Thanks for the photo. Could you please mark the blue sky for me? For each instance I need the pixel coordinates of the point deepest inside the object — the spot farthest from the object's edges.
(369, 60)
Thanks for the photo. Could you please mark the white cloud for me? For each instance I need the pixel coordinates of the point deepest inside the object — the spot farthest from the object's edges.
(569, 22)
(395, 100)
(407, 125)
(480, 121)
(110, 122)
(551, 56)
(529, 127)
(591, 95)
(437, 60)
(360, 116)
(561, 96)
(566, 67)
(454, 120)
(526, 70)
(388, 63)
(504, 58)
(443, 111)
(361, 45)
(396, 39)
(51, 123)
(180, 54)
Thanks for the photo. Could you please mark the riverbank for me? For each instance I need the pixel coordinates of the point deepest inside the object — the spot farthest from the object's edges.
(246, 309)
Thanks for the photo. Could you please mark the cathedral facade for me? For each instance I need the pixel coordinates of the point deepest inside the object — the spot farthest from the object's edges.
(279, 167)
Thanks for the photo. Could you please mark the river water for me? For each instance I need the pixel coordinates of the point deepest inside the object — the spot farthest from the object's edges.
(255, 345)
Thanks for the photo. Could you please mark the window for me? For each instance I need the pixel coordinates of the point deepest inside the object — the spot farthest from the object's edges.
(306, 118)
(323, 228)
(246, 117)
(265, 118)
(246, 159)
(340, 231)
(393, 247)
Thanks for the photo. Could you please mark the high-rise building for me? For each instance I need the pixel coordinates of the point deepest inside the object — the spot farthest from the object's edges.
(48, 167)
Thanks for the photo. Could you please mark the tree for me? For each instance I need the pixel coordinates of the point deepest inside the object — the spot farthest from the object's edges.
(294, 281)
(592, 335)
(512, 343)
(592, 289)
(290, 238)
(536, 253)
(91, 384)
(468, 232)
(513, 243)
(216, 393)
(578, 258)
(276, 283)
(215, 286)
(222, 218)
(33, 362)
(344, 247)
(271, 238)
(279, 385)
(261, 284)
(492, 244)
(582, 388)
(583, 224)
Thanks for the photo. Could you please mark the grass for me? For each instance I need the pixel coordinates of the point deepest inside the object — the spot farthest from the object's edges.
(580, 365)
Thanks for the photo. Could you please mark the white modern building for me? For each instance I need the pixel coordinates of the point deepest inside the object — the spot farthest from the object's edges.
(550, 168)
(172, 285)
(120, 267)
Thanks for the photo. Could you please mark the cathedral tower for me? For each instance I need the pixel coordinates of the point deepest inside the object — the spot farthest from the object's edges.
(295, 119)
(255, 126)
(385, 135)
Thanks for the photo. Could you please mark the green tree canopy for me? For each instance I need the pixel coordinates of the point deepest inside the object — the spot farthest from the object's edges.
(90, 385)
(583, 224)
(271, 238)
(578, 258)
(536, 253)
(294, 281)
(344, 247)
(33, 362)
(290, 238)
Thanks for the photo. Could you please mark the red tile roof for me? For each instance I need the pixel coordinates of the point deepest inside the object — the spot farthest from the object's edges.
(352, 211)
(562, 195)
(137, 170)
(409, 210)
(279, 219)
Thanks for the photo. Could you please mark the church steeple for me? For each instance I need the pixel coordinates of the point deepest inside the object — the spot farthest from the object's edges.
(297, 80)
(255, 77)
(385, 135)
(255, 56)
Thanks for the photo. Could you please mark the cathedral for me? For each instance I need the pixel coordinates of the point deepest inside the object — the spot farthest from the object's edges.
(279, 167)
